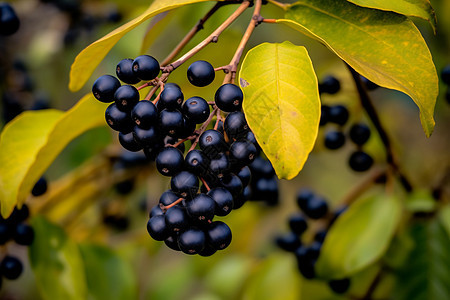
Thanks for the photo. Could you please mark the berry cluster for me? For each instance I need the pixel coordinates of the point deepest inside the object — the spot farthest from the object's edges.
(219, 157)
(15, 229)
(445, 76)
(264, 183)
(313, 207)
(338, 115)
(9, 22)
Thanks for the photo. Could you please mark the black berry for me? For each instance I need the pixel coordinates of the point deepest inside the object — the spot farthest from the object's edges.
(118, 120)
(360, 161)
(146, 67)
(218, 235)
(40, 187)
(172, 98)
(329, 85)
(169, 161)
(9, 22)
(339, 286)
(338, 114)
(334, 140)
(124, 70)
(157, 228)
(229, 97)
(11, 267)
(196, 109)
(126, 97)
(223, 199)
(359, 134)
(185, 184)
(104, 88)
(192, 241)
(201, 73)
(23, 234)
(144, 114)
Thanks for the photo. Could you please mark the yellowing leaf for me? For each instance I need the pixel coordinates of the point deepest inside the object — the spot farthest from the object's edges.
(30, 143)
(383, 46)
(281, 103)
(88, 59)
(359, 237)
(413, 8)
(56, 263)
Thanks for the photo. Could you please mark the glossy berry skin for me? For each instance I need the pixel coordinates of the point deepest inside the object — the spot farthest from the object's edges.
(233, 184)
(245, 175)
(171, 85)
(334, 140)
(145, 137)
(304, 195)
(196, 109)
(196, 162)
(177, 219)
(118, 120)
(329, 85)
(218, 235)
(126, 97)
(266, 189)
(360, 161)
(145, 67)
(171, 122)
(212, 143)
(104, 88)
(124, 71)
(316, 208)
(155, 211)
(144, 114)
(223, 199)
(201, 73)
(445, 75)
(187, 129)
(170, 140)
(359, 134)
(172, 98)
(128, 142)
(169, 161)
(298, 223)
(192, 241)
(288, 242)
(9, 22)
(242, 153)
(172, 242)
(40, 187)
(201, 208)
(168, 197)
(185, 184)
(207, 251)
(240, 200)
(236, 126)
(156, 227)
(338, 114)
(23, 234)
(339, 286)
(229, 97)
(219, 166)
(11, 267)
(262, 168)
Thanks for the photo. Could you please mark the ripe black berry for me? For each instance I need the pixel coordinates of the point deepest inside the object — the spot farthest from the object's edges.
(236, 126)
(334, 140)
(169, 161)
(126, 97)
(245, 175)
(40, 187)
(338, 114)
(229, 97)
(176, 219)
(359, 134)
(5, 232)
(172, 242)
(339, 286)
(360, 161)
(156, 227)
(262, 168)
(303, 197)
(218, 235)
(124, 70)
(118, 120)
(104, 88)
(168, 197)
(185, 184)
(445, 75)
(128, 142)
(144, 114)
(145, 137)
(233, 184)
(288, 242)
(266, 189)
(188, 128)
(192, 241)
(23, 234)
(316, 207)
(145, 67)
(298, 224)
(201, 73)
(212, 143)
(171, 85)
(242, 153)
(171, 122)
(196, 162)
(223, 199)
(172, 98)
(219, 166)
(9, 22)
(196, 109)
(201, 208)
(155, 211)
(11, 267)
(240, 200)
(329, 85)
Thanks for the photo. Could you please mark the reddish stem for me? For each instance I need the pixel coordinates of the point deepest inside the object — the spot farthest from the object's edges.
(205, 184)
(164, 208)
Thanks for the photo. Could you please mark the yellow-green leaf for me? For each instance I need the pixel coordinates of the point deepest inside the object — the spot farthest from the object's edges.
(359, 237)
(30, 143)
(383, 46)
(88, 59)
(155, 28)
(108, 276)
(281, 103)
(413, 8)
(56, 263)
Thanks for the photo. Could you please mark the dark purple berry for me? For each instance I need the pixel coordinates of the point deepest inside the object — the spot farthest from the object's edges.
(11, 267)
(334, 140)
(245, 175)
(339, 286)
(23, 234)
(144, 114)
(192, 241)
(9, 22)
(172, 242)
(201, 208)
(242, 153)
(145, 137)
(303, 197)
(126, 97)
(177, 219)
(298, 223)
(338, 114)
(128, 142)
(5, 232)
(223, 199)
(201, 73)
(233, 184)
(288, 242)
(185, 184)
(169, 161)
(168, 197)
(329, 85)
(40, 187)
(360, 161)
(219, 166)
(236, 126)
(156, 227)
(124, 70)
(118, 120)
(196, 162)
(145, 67)
(229, 97)
(212, 143)
(171, 122)
(359, 134)
(172, 98)
(316, 207)
(324, 115)
(104, 88)
(218, 235)
(196, 109)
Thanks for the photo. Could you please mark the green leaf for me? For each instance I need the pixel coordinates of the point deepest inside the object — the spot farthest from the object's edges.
(420, 201)
(56, 263)
(30, 143)
(359, 237)
(276, 279)
(108, 276)
(281, 103)
(383, 46)
(444, 216)
(425, 274)
(412, 8)
(88, 59)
